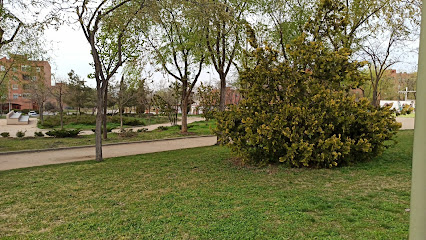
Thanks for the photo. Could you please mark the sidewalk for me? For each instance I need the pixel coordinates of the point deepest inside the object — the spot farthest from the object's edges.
(32, 127)
(39, 158)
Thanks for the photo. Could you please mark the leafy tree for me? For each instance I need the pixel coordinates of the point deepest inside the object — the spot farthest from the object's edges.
(167, 101)
(125, 96)
(78, 92)
(179, 49)
(223, 22)
(208, 98)
(106, 26)
(286, 20)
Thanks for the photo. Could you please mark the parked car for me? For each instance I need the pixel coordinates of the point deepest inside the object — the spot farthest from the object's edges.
(32, 113)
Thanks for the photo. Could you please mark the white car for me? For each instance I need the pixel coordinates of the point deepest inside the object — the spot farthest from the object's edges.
(32, 113)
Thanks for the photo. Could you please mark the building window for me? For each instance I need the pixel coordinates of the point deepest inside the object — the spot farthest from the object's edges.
(38, 69)
(15, 96)
(26, 95)
(25, 68)
(14, 86)
(34, 78)
(2, 68)
(14, 69)
(26, 86)
(26, 77)
(15, 78)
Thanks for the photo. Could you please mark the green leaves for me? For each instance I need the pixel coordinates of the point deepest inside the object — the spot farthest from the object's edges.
(298, 113)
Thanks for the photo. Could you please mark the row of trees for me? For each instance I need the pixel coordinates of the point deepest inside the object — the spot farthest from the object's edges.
(182, 37)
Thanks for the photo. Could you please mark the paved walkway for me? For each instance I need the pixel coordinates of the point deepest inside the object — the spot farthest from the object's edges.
(407, 123)
(39, 158)
(32, 127)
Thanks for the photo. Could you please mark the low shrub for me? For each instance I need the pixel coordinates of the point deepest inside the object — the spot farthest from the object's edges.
(63, 133)
(142, 130)
(109, 129)
(38, 134)
(162, 128)
(5, 134)
(406, 109)
(54, 121)
(20, 134)
(127, 133)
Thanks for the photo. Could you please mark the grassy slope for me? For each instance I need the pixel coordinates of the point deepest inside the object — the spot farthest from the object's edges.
(16, 144)
(201, 194)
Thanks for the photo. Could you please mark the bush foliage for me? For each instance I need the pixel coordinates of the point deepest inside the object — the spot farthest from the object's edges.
(54, 121)
(63, 133)
(20, 134)
(5, 134)
(297, 113)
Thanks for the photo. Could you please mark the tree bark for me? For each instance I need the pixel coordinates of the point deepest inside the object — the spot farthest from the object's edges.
(99, 118)
(222, 102)
(184, 106)
(375, 96)
(104, 117)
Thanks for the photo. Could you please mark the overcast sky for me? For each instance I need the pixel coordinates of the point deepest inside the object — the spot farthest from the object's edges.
(70, 50)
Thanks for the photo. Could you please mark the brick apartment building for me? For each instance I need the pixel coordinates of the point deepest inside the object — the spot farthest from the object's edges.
(21, 75)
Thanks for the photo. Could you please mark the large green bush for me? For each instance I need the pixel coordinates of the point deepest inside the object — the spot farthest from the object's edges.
(295, 112)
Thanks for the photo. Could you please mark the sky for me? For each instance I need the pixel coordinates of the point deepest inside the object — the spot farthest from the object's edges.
(69, 49)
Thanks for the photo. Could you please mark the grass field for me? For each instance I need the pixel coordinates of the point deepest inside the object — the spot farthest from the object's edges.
(32, 143)
(203, 194)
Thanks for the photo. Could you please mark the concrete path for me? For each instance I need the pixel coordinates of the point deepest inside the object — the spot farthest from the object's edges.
(407, 123)
(39, 158)
(32, 127)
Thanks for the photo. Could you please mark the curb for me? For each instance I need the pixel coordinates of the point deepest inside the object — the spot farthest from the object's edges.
(103, 145)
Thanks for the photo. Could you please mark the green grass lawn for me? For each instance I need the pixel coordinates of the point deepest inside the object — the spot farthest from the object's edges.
(203, 194)
(31, 143)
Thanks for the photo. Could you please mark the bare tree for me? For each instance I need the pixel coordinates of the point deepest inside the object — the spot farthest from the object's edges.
(379, 61)
(59, 92)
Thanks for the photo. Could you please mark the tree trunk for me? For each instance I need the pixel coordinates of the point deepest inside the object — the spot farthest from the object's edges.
(40, 111)
(104, 118)
(375, 97)
(98, 131)
(121, 118)
(184, 107)
(222, 101)
(61, 113)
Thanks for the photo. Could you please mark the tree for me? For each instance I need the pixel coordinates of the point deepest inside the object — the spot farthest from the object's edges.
(59, 91)
(39, 94)
(208, 98)
(21, 31)
(106, 26)
(286, 20)
(78, 92)
(125, 95)
(180, 49)
(223, 22)
(167, 101)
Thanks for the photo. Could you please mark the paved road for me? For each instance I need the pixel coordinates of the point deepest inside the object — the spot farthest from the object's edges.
(23, 160)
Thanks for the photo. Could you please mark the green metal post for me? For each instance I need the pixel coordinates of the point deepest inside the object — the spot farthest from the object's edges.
(418, 185)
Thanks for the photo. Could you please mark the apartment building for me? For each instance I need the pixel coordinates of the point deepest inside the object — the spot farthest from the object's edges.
(19, 77)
